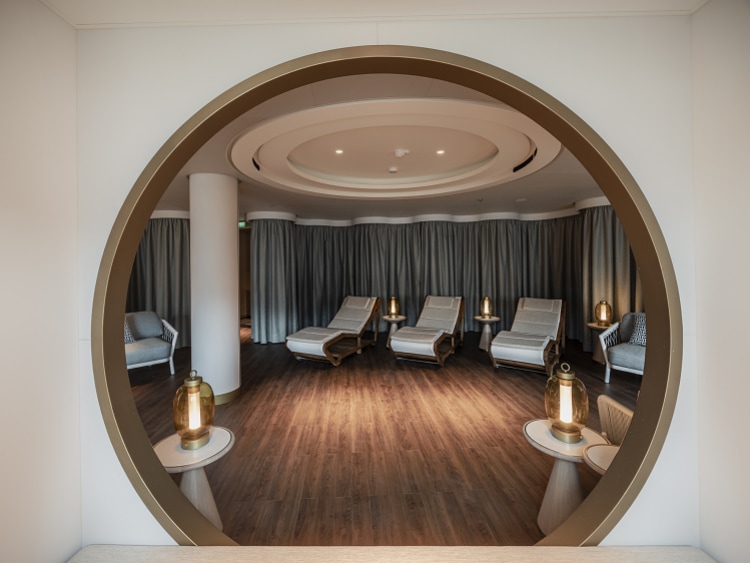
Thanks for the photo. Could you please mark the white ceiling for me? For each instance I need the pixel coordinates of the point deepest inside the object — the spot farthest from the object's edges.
(478, 183)
(384, 171)
(87, 14)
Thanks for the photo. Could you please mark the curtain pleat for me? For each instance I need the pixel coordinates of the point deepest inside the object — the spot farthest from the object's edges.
(608, 269)
(274, 270)
(300, 274)
(160, 278)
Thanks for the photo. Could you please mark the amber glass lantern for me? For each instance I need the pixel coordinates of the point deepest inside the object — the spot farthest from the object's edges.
(486, 307)
(193, 412)
(603, 313)
(567, 404)
(393, 307)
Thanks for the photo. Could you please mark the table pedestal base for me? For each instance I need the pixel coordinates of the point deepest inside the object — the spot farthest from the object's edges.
(486, 338)
(597, 352)
(194, 485)
(562, 497)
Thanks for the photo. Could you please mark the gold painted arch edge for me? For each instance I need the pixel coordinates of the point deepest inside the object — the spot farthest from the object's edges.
(614, 494)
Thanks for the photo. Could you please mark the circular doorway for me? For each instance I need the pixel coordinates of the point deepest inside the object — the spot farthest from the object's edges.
(617, 489)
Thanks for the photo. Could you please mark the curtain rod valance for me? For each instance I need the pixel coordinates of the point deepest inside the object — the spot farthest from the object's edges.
(446, 217)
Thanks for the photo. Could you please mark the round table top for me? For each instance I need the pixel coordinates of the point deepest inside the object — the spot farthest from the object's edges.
(596, 326)
(176, 460)
(599, 456)
(394, 318)
(483, 319)
(539, 434)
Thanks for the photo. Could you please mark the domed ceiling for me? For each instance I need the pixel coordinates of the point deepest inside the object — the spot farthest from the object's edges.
(390, 146)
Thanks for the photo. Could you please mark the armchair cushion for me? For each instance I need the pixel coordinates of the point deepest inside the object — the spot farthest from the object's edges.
(638, 336)
(627, 355)
(144, 324)
(148, 350)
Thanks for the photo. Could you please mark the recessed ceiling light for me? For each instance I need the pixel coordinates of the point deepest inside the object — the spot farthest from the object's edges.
(441, 151)
(339, 151)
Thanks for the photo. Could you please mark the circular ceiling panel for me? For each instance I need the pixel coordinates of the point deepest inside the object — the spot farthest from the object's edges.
(395, 154)
(395, 148)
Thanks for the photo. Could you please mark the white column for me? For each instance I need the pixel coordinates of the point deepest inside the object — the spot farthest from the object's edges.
(214, 282)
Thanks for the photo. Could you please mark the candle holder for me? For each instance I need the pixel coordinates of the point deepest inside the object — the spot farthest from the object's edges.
(486, 307)
(603, 313)
(567, 404)
(193, 412)
(393, 307)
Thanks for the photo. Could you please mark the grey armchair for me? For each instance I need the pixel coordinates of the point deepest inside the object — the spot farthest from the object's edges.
(624, 345)
(149, 340)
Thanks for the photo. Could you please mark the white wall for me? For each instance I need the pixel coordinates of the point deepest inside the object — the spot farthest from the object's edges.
(137, 86)
(40, 488)
(721, 45)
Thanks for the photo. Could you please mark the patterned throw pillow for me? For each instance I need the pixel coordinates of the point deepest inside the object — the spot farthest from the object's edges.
(128, 335)
(639, 331)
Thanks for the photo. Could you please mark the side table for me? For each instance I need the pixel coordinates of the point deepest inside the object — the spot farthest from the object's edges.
(563, 493)
(599, 456)
(393, 320)
(598, 352)
(486, 338)
(194, 484)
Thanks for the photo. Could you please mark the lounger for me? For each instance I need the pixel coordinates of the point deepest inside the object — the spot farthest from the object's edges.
(436, 334)
(535, 338)
(343, 336)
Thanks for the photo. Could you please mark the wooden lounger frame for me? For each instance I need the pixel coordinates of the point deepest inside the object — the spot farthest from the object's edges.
(347, 344)
(552, 352)
(444, 346)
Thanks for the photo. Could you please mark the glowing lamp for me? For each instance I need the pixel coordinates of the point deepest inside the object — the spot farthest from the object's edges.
(603, 313)
(486, 307)
(393, 307)
(567, 404)
(193, 412)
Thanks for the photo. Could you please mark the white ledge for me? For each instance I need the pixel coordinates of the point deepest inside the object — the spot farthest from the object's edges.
(407, 554)
(567, 212)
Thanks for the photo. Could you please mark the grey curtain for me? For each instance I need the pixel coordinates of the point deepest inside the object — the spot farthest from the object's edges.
(582, 259)
(273, 255)
(160, 278)
(609, 271)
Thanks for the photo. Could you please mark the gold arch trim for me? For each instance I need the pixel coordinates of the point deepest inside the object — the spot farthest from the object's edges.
(614, 494)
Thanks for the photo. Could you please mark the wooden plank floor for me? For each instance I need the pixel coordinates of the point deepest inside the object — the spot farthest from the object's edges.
(379, 451)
